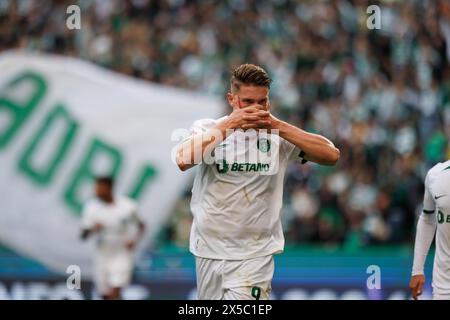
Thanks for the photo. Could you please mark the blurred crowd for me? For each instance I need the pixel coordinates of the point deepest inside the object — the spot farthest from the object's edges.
(382, 95)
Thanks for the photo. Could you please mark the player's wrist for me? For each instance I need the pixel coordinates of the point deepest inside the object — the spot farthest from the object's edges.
(276, 124)
(226, 125)
(281, 126)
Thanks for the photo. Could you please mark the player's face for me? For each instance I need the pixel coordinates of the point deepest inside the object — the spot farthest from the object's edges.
(248, 96)
(103, 190)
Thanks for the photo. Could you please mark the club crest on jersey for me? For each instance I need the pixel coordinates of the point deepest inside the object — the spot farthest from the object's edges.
(263, 145)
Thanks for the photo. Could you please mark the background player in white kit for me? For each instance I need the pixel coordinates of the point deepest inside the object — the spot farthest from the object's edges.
(236, 200)
(112, 218)
(434, 219)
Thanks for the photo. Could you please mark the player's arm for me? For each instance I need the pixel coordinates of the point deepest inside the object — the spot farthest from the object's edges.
(316, 147)
(426, 229)
(89, 224)
(131, 244)
(87, 232)
(194, 149)
(141, 227)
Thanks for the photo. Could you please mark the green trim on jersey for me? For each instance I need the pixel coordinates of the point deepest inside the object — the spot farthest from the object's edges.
(302, 155)
(428, 211)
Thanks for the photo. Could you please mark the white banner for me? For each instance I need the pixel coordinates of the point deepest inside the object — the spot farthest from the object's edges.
(63, 121)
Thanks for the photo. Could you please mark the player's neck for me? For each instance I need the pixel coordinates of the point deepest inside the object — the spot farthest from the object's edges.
(107, 199)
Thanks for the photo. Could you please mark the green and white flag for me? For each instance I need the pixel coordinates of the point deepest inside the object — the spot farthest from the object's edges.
(64, 121)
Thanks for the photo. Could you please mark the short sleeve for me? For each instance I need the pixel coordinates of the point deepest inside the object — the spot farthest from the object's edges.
(292, 152)
(198, 127)
(133, 207)
(298, 155)
(88, 216)
(132, 212)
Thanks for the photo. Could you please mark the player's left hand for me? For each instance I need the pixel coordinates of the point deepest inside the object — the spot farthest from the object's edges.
(416, 285)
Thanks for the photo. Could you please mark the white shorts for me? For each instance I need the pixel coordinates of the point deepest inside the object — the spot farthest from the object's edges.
(112, 270)
(441, 296)
(234, 279)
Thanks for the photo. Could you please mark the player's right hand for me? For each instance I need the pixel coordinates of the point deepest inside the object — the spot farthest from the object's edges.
(416, 285)
(250, 117)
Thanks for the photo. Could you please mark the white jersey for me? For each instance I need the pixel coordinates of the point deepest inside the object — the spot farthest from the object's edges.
(117, 219)
(236, 201)
(435, 218)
